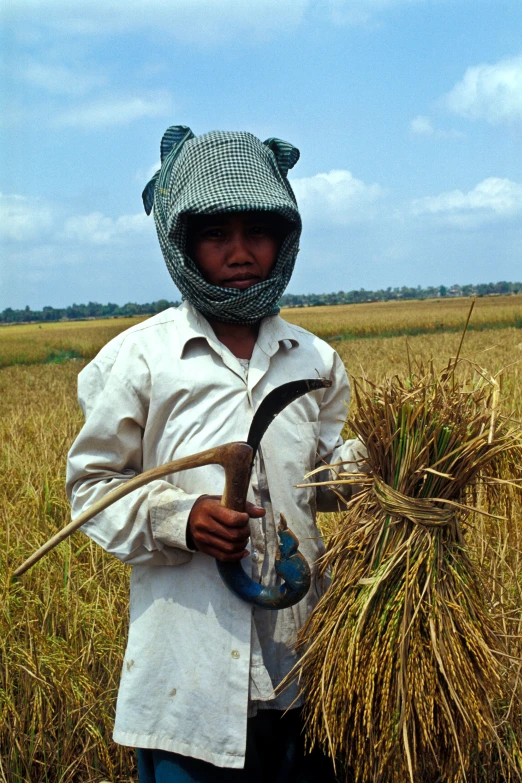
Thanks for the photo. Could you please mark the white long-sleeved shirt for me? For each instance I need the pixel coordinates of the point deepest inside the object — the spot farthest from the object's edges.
(165, 389)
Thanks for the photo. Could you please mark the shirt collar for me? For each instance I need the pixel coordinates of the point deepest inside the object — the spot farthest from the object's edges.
(193, 326)
(276, 332)
(273, 333)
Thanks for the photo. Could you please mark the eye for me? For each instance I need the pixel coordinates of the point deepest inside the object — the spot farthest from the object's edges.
(212, 232)
(261, 229)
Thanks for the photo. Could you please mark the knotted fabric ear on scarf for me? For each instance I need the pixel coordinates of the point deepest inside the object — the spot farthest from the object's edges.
(285, 154)
(215, 173)
(171, 144)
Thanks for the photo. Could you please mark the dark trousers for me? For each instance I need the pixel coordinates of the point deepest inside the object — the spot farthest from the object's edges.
(274, 754)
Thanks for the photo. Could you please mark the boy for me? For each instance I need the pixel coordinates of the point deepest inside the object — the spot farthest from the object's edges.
(201, 665)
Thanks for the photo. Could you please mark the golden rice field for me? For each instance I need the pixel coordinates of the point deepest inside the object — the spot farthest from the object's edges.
(63, 625)
(59, 341)
(54, 342)
(396, 319)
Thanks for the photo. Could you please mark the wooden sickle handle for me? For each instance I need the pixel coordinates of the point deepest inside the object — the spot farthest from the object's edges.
(231, 456)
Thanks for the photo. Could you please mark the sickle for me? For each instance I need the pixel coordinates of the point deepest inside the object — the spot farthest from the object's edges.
(237, 460)
(290, 565)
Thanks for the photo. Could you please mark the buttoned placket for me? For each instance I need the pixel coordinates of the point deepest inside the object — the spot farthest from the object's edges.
(258, 526)
(261, 687)
(262, 560)
(264, 543)
(264, 349)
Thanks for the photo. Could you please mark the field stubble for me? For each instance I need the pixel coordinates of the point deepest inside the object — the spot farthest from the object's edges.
(63, 625)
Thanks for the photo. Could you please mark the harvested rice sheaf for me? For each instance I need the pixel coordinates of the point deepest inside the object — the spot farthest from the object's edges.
(410, 662)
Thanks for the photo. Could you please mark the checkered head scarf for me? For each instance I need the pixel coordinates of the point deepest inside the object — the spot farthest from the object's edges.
(214, 173)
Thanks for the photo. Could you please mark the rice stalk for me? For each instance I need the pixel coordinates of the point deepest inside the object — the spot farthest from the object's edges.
(411, 662)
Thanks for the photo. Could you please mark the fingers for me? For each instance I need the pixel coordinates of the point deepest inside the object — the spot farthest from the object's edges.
(219, 531)
(233, 535)
(229, 518)
(226, 551)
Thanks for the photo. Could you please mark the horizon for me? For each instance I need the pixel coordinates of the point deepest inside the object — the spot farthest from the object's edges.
(390, 294)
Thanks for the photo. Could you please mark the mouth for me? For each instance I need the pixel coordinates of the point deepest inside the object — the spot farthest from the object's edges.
(241, 281)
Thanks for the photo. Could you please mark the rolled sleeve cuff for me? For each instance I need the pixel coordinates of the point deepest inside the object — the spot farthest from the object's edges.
(169, 517)
(351, 458)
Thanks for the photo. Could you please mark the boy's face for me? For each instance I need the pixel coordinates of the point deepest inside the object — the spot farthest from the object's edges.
(234, 249)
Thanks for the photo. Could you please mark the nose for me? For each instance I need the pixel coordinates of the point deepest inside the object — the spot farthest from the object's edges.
(239, 251)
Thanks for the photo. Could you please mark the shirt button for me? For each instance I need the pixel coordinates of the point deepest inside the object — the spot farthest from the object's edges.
(235, 654)
(255, 556)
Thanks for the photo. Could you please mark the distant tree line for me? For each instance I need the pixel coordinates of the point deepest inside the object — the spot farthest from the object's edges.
(388, 294)
(94, 310)
(84, 311)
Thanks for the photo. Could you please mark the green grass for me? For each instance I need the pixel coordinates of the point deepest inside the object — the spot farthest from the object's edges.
(59, 357)
(414, 331)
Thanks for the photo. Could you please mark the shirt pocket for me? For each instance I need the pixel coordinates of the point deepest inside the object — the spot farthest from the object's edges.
(308, 433)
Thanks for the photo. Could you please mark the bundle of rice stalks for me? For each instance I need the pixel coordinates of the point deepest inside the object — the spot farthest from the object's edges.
(409, 665)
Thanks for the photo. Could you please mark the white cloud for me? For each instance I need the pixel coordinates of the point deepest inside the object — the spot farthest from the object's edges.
(112, 110)
(58, 79)
(205, 21)
(423, 126)
(22, 218)
(489, 92)
(336, 197)
(96, 229)
(491, 200)
(33, 224)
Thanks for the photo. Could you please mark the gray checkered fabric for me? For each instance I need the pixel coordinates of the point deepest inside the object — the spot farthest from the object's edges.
(223, 172)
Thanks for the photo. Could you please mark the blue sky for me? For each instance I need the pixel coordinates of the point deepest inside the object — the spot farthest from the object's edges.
(408, 115)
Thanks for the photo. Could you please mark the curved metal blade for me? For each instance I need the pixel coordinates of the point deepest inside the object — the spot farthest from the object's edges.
(275, 402)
